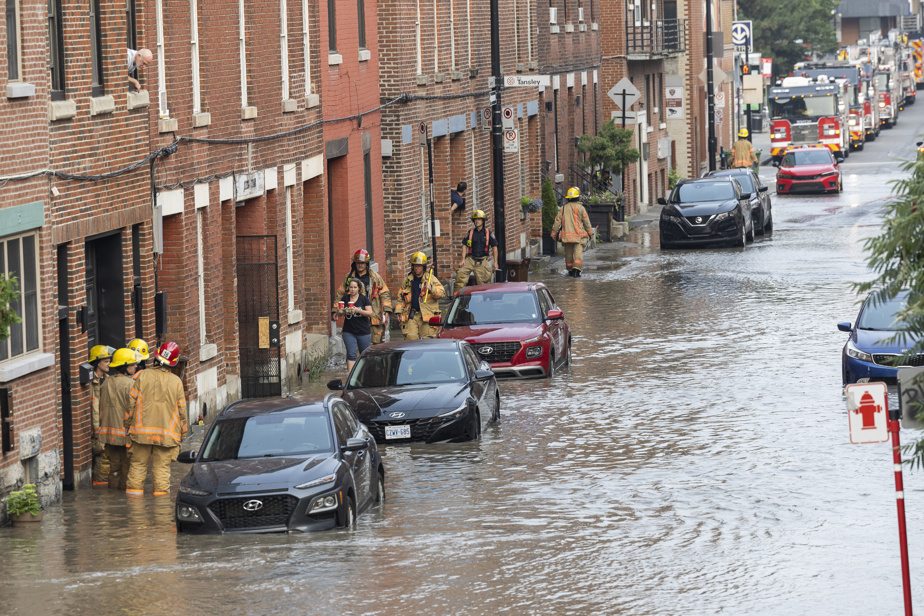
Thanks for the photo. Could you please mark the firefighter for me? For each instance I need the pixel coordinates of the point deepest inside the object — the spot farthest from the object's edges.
(377, 293)
(99, 357)
(743, 151)
(115, 401)
(475, 251)
(140, 347)
(418, 300)
(574, 224)
(156, 422)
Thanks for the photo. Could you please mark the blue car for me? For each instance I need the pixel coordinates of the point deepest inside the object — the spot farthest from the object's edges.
(870, 352)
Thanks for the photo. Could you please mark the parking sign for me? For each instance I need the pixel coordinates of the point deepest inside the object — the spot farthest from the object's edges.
(743, 36)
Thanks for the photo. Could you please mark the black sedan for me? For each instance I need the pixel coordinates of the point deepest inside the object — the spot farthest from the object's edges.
(422, 390)
(761, 210)
(706, 211)
(283, 464)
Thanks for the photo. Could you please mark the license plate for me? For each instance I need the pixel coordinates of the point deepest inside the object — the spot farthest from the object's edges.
(397, 432)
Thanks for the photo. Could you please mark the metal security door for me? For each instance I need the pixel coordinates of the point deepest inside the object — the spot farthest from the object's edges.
(258, 315)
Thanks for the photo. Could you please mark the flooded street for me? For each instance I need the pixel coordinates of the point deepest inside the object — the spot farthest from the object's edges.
(695, 459)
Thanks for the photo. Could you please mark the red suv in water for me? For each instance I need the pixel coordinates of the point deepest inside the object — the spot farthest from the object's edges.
(809, 169)
(514, 326)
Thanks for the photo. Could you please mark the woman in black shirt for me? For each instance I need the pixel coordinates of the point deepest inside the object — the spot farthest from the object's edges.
(357, 326)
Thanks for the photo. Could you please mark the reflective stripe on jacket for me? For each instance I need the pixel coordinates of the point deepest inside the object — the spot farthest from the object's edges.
(95, 384)
(114, 402)
(158, 413)
(487, 242)
(429, 308)
(379, 295)
(743, 153)
(573, 222)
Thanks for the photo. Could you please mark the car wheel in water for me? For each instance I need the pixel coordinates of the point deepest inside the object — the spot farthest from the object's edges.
(348, 516)
(379, 487)
(750, 234)
(666, 245)
(551, 370)
(742, 239)
(496, 415)
(473, 431)
(768, 228)
(759, 225)
(568, 359)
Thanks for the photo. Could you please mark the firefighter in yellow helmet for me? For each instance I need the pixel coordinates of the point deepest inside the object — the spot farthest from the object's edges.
(140, 347)
(115, 401)
(572, 228)
(743, 151)
(156, 423)
(376, 292)
(418, 300)
(99, 357)
(477, 246)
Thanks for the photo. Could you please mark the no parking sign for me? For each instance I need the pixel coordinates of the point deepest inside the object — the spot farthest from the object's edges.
(512, 141)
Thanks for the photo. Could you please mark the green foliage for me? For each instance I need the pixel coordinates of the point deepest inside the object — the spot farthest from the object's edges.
(23, 501)
(315, 366)
(9, 293)
(549, 205)
(779, 23)
(672, 177)
(530, 204)
(610, 150)
(897, 258)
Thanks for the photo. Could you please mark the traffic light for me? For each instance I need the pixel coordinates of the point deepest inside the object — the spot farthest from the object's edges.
(745, 69)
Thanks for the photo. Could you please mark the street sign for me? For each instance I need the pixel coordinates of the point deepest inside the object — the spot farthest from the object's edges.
(624, 94)
(507, 114)
(513, 81)
(743, 36)
(422, 133)
(720, 99)
(486, 118)
(719, 116)
(673, 101)
(511, 141)
(718, 75)
(868, 412)
(766, 67)
(617, 116)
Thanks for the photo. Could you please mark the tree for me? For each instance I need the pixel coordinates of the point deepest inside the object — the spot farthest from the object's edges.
(610, 150)
(779, 24)
(549, 205)
(8, 295)
(897, 257)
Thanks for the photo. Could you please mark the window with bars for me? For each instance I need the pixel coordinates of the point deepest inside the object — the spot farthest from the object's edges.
(19, 258)
(56, 50)
(12, 40)
(96, 50)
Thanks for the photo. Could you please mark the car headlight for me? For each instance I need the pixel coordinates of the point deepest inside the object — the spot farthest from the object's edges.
(828, 173)
(533, 339)
(187, 513)
(881, 104)
(194, 491)
(853, 351)
(672, 218)
(454, 413)
(533, 352)
(317, 482)
(785, 176)
(324, 503)
(722, 216)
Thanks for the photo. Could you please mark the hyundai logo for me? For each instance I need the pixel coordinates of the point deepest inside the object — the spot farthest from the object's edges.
(396, 415)
(699, 219)
(253, 505)
(486, 350)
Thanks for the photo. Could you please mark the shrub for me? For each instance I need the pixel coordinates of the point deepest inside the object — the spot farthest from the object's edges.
(549, 205)
(23, 501)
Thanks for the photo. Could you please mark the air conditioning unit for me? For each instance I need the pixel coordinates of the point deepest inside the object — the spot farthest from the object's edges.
(553, 15)
(580, 13)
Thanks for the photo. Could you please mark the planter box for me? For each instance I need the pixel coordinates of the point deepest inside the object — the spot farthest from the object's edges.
(601, 214)
(548, 244)
(26, 518)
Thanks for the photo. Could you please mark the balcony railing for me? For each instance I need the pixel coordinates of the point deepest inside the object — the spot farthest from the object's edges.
(660, 37)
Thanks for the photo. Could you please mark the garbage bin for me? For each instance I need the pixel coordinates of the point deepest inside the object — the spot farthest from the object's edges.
(756, 166)
(518, 271)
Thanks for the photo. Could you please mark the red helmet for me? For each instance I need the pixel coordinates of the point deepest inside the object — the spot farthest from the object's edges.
(168, 353)
(361, 255)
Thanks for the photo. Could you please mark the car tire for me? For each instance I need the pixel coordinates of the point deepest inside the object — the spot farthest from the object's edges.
(768, 227)
(348, 517)
(473, 430)
(759, 227)
(742, 239)
(379, 487)
(496, 415)
(551, 370)
(840, 187)
(666, 245)
(750, 234)
(568, 358)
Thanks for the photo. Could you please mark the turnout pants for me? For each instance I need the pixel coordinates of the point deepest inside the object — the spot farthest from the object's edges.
(478, 265)
(118, 465)
(100, 464)
(418, 329)
(378, 331)
(574, 256)
(160, 458)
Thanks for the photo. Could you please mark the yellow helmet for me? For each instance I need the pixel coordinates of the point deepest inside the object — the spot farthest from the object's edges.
(478, 214)
(573, 193)
(140, 347)
(418, 258)
(123, 357)
(743, 133)
(100, 351)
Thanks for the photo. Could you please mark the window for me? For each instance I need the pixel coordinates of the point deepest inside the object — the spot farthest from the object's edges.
(18, 257)
(284, 47)
(648, 99)
(12, 40)
(660, 98)
(56, 50)
(332, 25)
(194, 55)
(242, 40)
(200, 273)
(163, 111)
(361, 18)
(96, 50)
(307, 49)
(290, 266)
(131, 37)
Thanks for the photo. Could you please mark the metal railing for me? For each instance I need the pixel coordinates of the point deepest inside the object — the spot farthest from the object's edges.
(590, 185)
(662, 36)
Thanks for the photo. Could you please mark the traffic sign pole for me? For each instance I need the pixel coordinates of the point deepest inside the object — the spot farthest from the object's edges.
(710, 89)
(497, 143)
(900, 502)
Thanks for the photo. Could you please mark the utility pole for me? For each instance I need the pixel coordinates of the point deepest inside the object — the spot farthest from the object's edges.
(710, 87)
(497, 141)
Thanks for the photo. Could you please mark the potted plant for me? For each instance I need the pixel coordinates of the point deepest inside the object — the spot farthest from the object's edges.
(23, 505)
(606, 155)
(549, 212)
(528, 205)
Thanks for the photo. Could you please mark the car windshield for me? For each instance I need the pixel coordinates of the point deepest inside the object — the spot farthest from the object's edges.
(807, 157)
(703, 191)
(744, 179)
(883, 317)
(796, 107)
(265, 436)
(882, 82)
(478, 308)
(407, 367)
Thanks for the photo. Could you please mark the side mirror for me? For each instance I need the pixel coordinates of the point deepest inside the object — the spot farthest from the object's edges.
(335, 385)
(484, 365)
(775, 163)
(435, 321)
(554, 314)
(662, 201)
(844, 327)
(745, 195)
(763, 189)
(187, 457)
(483, 375)
(354, 444)
(838, 160)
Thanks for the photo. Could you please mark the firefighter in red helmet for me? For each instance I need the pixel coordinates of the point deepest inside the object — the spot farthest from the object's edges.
(156, 423)
(376, 292)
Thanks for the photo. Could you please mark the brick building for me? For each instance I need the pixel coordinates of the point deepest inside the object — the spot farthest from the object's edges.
(439, 55)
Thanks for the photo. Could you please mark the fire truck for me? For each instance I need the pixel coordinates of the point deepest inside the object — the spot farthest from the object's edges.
(888, 87)
(856, 94)
(917, 56)
(805, 110)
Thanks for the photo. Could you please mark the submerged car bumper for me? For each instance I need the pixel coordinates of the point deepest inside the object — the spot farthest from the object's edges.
(277, 513)
(674, 232)
(815, 184)
(434, 429)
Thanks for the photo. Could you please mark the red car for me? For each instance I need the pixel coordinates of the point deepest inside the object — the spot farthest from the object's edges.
(514, 326)
(809, 169)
